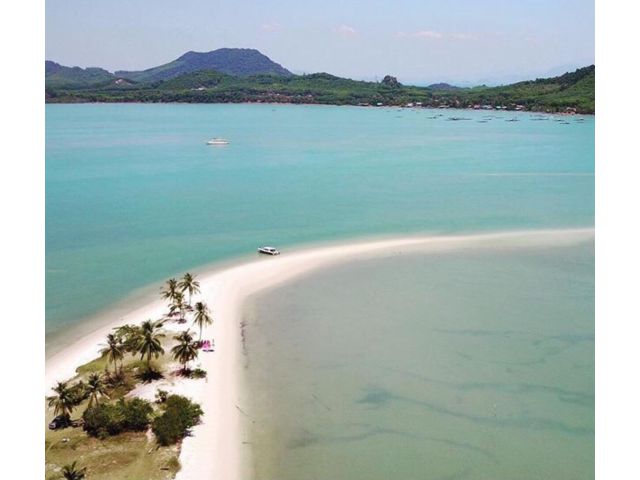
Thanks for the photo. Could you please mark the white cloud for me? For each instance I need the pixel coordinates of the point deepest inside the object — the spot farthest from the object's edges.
(271, 27)
(421, 34)
(435, 35)
(346, 31)
(427, 34)
(464, 36)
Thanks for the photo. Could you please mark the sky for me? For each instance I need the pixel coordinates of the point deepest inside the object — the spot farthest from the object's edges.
(419, 41)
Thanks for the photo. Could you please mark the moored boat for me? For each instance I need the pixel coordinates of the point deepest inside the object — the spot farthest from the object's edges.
(269, 251)
(218, 141)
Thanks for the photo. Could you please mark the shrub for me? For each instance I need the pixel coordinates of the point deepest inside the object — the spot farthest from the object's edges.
(136, 414)
(113, 418)
(168, 429)
(188, 412)
(198, 373)
(161, 396)
(180, 414)
(103, 420)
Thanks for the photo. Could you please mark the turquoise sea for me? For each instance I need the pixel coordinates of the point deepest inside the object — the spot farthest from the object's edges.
(133, 194)
(464, 364)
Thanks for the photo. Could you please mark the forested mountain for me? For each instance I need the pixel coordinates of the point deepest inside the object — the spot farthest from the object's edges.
(241, 62)
(243, 75)
(60, 76)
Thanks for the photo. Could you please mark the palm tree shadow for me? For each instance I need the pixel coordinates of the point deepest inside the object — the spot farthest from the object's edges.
(149, 375)
(191, 373)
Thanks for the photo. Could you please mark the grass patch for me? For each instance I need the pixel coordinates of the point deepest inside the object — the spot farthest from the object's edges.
(126, 456)
(94, 366)
(130, 455)
(173, 464)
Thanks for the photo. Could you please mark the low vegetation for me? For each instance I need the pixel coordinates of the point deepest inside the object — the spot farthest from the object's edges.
(180, 414)
(130, 455)
(99, 429)
(74, 472)
(106, 419)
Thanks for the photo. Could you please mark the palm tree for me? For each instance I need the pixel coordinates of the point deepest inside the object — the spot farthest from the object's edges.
(63, 401)
(202, 317)
(179, 306)
(96, 389)
(128, 336)
(149, 343)
(113, 350)
(186, 350)
(189, 284)
(73, 472)
(170, 289)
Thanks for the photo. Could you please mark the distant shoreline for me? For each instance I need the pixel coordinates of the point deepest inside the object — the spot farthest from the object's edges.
(448, 109)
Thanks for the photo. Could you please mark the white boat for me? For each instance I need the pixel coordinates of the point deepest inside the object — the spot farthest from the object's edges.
(217, 141)
(268, 251)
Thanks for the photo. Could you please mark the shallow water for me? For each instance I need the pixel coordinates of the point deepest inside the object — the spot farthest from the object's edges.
(469, 364)
(134, 195)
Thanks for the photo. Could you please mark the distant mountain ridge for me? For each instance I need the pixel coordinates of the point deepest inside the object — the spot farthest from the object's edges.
(239, 62)
(59, 75)
(442, 86)
(246, 75)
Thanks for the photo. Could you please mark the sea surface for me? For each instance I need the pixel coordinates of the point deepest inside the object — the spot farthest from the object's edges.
(134, 196)
(465, 364)
(471, 364)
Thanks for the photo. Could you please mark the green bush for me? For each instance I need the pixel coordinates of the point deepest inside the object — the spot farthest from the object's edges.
(168, 429)
(188, 412)
(103, 420)
(198, 373)
(136, 414)
(107, 419)
(180, 414)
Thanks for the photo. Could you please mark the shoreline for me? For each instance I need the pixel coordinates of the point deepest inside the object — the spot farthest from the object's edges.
(464, 109)
(216, 448)
(124, 307)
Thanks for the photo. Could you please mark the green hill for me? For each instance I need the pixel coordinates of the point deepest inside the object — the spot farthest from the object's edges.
(57, 75)
(241, 62)
(575, 90)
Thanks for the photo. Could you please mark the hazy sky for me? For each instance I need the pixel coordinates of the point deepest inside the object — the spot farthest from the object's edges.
(419, 41)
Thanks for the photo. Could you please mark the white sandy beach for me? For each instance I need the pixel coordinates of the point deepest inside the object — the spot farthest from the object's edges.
(215, 451)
